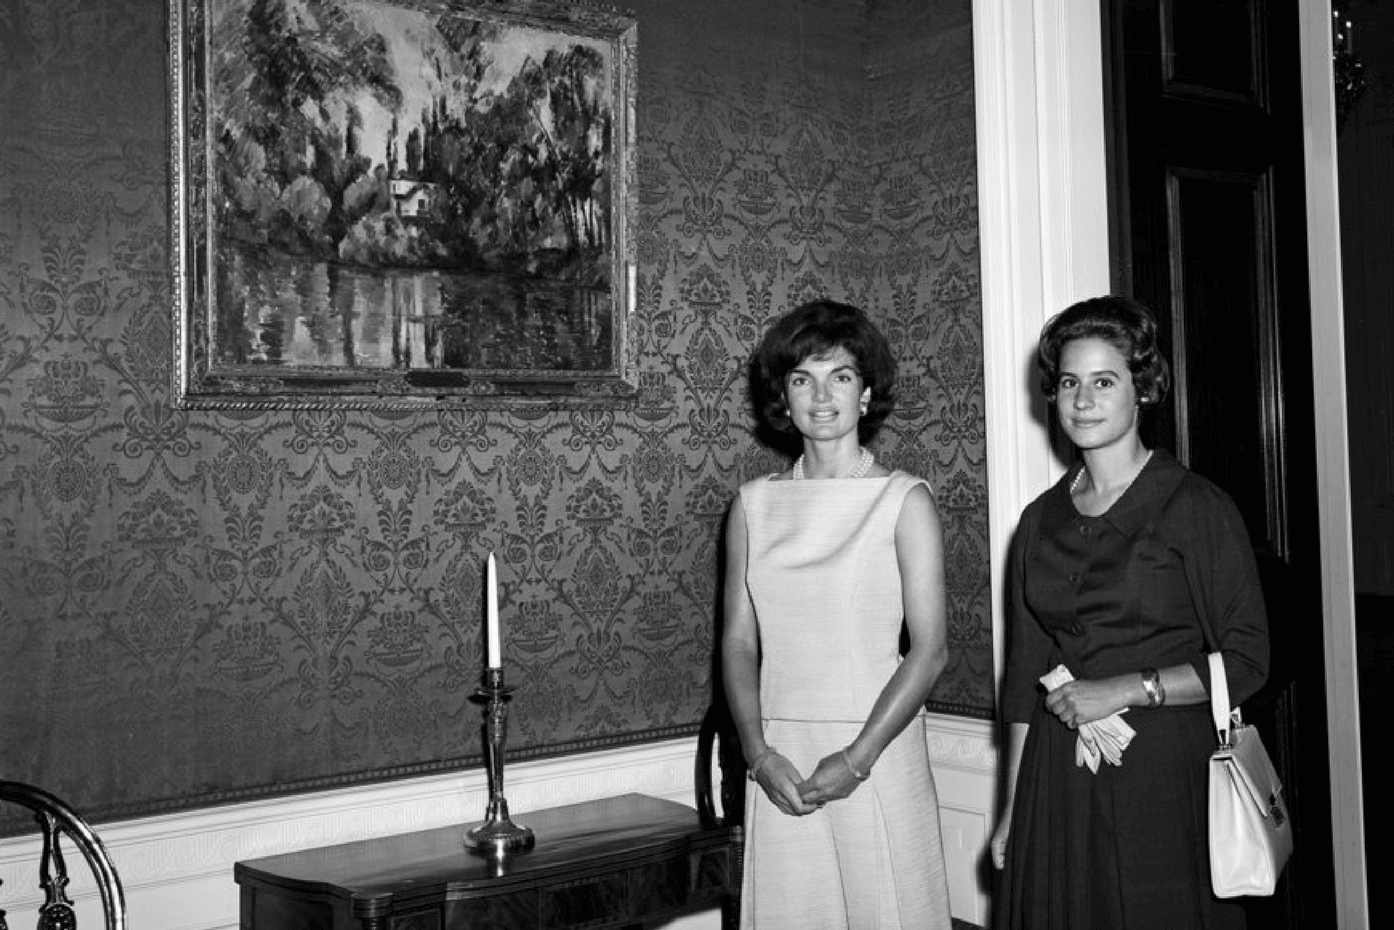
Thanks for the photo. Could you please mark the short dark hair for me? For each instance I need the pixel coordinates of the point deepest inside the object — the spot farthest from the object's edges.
(816, 329)
(1123, 323)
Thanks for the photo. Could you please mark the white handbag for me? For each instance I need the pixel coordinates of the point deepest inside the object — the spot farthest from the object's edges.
(1250, 833)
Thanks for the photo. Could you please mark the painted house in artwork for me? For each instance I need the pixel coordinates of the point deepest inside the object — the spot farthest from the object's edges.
(411, 198)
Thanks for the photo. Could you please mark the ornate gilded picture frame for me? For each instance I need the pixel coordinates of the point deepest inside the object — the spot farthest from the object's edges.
(387, 204)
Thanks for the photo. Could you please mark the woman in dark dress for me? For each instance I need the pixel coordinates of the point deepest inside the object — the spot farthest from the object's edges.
(1127, 572)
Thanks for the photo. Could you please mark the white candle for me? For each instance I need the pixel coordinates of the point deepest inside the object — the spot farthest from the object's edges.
(491, 614)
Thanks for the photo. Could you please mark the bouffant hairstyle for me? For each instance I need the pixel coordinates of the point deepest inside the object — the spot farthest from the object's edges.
(813, 330)
(1123, 323)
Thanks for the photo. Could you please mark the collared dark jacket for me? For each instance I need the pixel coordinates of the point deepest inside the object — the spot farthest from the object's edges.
(1135, 587)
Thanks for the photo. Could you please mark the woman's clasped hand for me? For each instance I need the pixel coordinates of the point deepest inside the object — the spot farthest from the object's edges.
(1079, 702)
(781, 783)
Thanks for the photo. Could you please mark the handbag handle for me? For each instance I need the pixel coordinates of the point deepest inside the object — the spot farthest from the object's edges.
(1220, 710)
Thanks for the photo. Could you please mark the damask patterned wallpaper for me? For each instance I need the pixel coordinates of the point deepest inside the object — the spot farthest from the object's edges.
(199, 607)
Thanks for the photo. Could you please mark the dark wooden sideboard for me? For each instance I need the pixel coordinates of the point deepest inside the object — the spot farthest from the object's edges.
(616, 862)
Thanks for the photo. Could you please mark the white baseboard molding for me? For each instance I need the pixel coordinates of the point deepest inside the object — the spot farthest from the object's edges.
(177, 868)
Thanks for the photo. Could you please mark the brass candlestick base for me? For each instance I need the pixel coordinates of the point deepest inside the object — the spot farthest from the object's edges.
(498, 836)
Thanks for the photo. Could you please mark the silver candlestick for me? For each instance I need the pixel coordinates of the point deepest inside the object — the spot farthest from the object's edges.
(497, 836)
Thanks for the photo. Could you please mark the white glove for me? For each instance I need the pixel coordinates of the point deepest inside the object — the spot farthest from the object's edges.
(1106, 738)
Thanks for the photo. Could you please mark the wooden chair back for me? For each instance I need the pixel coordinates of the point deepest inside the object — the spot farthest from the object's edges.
(717, 742)
(56, 820)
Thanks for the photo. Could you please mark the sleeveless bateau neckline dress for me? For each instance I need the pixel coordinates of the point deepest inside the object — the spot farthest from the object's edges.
(823, 577)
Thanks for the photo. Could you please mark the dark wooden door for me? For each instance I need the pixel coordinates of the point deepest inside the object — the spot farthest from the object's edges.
(1208, 228)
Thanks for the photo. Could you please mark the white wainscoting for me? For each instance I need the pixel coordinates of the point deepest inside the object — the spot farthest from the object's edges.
(177, 868)
(963, 754)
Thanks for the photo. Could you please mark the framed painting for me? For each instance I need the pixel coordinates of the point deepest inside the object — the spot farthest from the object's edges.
(401, 202)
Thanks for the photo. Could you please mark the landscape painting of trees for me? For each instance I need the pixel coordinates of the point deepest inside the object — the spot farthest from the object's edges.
(402, 200)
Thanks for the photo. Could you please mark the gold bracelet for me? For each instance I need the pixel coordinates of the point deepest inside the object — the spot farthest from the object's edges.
(1152, 684)
(847, 761)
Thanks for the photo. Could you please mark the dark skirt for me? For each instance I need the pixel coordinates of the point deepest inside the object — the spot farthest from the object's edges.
(1123, 849)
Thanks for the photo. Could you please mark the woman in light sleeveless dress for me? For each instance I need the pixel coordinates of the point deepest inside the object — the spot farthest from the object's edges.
(826, 564)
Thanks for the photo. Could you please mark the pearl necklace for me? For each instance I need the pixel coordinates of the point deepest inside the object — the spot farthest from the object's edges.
(1074, 485)
(858, 471)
